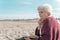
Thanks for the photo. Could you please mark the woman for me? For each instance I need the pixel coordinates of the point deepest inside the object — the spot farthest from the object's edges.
(48, 28)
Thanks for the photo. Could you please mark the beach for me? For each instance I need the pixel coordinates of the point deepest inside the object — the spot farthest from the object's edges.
(11, 30)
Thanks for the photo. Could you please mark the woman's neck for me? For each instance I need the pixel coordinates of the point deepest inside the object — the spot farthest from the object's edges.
(40, 27)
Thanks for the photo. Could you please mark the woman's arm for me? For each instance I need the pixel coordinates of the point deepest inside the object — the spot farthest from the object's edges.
(54, 28)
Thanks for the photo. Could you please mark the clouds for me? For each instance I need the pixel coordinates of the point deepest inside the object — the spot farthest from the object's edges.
(26, 3)
(57, 0)
(18, 16)
(56, 12)
(56, 9)
(19, 2)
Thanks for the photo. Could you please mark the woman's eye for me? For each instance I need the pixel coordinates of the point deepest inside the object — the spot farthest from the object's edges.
(41, 12)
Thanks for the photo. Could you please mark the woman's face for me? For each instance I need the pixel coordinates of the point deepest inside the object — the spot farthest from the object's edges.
(43, 14)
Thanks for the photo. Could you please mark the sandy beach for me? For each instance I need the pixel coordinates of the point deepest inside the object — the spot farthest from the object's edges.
(11, 30)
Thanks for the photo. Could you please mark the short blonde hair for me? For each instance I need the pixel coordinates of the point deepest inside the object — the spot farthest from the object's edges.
(46, 8)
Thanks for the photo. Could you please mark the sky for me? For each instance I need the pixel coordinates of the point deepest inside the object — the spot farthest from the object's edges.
(26, 9)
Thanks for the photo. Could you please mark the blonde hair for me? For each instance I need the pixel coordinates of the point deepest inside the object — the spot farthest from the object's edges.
(46, 8)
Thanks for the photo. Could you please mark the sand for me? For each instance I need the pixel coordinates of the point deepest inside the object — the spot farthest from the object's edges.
(11, 30)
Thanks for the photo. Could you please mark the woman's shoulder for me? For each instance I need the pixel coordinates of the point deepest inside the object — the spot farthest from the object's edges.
(52, 18)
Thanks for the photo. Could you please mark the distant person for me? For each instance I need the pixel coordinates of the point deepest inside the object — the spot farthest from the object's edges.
(48, 27)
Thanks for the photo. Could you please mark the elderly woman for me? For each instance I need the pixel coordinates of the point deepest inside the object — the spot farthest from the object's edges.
(48, 26)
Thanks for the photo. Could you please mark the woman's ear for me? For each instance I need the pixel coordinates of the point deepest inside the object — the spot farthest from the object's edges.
(48, 13)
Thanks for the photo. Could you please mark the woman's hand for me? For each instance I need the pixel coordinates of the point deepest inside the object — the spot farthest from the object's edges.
(40, 22)
(36, 36)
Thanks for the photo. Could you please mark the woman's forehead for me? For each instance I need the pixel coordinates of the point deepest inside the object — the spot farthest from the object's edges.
(40, 10)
